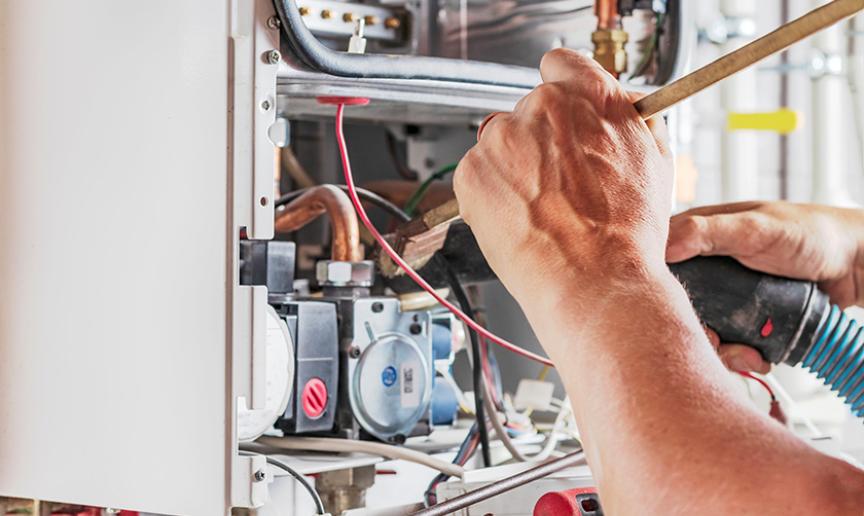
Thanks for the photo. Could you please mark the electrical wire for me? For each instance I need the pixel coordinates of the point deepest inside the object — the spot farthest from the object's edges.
(325, 444)
(319, 505)
(401, 167)
(760, 381)
(367, 195)
(418, 195)
(465, 451)
(385, 246)
(477, 377)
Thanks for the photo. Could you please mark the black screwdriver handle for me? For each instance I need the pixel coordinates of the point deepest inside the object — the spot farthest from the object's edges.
(778, 316)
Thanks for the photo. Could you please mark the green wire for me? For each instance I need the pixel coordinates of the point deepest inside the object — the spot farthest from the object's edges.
(417, 196)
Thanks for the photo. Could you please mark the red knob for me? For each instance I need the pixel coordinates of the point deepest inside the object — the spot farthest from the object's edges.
(314, 398)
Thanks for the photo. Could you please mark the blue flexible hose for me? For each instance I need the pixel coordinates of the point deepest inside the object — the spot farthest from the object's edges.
(837, 358)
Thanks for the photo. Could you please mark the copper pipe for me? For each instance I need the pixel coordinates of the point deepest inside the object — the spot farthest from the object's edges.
(607, 14)
(343, 221)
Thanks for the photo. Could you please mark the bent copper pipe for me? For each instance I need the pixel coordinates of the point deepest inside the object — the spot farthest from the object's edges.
(607, 14)
(335, 203)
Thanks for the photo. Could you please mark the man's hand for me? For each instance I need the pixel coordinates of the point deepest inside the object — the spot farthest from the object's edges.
(815, 243)
(572, 182)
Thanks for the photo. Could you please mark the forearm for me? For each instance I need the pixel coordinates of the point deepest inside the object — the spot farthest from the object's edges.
(657, 411)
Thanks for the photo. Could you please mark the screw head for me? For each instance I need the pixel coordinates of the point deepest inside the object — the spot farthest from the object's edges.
(377, 307)
(392, 23)
(273, 22)
(259, 475)
(354, 352)
(265, 105)
(272, 57)
(415, 329)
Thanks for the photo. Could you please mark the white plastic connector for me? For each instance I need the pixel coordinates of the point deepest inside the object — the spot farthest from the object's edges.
(534, 395)
(357, 43)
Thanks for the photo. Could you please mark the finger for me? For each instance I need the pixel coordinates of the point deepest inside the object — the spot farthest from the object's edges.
(738, 357)
(716, 209)
(713, 235)
(658, 128)
(486, 121)
(713, 338)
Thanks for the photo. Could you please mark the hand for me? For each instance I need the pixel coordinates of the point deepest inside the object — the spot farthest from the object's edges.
(815, 243)
(571, 183)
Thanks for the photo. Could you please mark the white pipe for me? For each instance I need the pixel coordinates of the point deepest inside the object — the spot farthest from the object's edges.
(739, 150)
(830, 115)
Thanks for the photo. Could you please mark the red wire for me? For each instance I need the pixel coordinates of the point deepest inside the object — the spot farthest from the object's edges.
(361, 213)
(761, 382)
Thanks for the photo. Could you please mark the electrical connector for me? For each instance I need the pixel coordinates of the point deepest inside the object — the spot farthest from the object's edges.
(357, 43)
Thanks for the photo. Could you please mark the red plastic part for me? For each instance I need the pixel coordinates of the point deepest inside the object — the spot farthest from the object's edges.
(561, 503)
(767, 328)
(348, 101)
(314, 398)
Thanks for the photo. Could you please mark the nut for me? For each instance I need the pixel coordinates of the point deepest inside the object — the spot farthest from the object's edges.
(345, 274)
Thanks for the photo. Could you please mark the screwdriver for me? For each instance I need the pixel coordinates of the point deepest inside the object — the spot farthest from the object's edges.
(418, 237)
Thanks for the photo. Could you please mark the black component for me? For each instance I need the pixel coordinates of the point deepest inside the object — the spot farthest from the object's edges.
(269, 263)
(314, 329)
(316, 56)
(626, 7)
(462, 254)
(779, 317)
(589, 504)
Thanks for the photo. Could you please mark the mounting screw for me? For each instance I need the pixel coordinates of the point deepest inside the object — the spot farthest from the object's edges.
(377, 307)
(415, 329)
(259, 475)
(265, 105)
(272, 56)
(392, 23)
(274, 23)
(354, 352)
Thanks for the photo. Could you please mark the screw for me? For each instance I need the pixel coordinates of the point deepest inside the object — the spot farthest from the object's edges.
(349, 17)
(265, 105)
(354, 352)
(377, 307)
(326, 14)
(259, 475)
(274, 23)
(398, 439)
(415, 329)
(272, 56)
(304, 11)
(371, 19)
(392, 23)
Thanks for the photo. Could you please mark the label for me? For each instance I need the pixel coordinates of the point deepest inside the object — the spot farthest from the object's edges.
(388, 376)
(409, 390)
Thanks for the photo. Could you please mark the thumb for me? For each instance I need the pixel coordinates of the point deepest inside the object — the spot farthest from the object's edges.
(721, 234)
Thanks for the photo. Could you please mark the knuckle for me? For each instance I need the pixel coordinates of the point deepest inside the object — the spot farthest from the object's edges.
(555, 56)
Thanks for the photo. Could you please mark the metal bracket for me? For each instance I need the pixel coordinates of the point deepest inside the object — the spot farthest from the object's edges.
(255, 61)
(253, 490)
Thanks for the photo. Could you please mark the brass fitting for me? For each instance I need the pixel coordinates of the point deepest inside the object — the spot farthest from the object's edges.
(610, 51)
